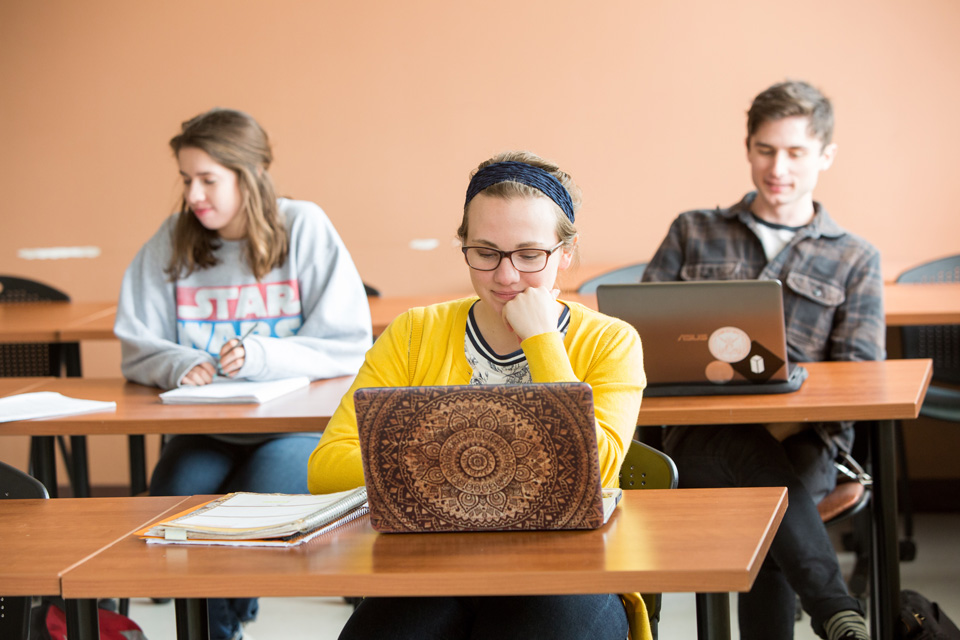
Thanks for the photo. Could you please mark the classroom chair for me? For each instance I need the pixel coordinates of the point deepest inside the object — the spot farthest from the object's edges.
(624, 275)
(372, 292)
(647, 468)
(15, 618)
(44, 359)
(941, 343)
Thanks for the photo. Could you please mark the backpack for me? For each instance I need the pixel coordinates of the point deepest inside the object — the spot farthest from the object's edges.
(921, 619)
(49, 622)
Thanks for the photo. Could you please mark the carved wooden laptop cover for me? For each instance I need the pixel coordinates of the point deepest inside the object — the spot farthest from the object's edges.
(480, 457)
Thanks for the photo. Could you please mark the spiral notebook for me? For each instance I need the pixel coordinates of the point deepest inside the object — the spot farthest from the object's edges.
(481, 458)
(259, 519)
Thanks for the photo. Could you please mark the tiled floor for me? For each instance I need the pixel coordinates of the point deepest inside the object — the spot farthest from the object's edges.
(935, 573)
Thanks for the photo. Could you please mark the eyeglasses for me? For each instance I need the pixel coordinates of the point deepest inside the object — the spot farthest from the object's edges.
(523, 260)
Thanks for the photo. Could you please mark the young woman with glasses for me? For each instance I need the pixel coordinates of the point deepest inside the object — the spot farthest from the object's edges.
(517, 233)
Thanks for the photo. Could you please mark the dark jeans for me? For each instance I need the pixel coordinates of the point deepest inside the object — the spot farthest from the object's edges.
(198, 464)
(598, 617)
(801, 560)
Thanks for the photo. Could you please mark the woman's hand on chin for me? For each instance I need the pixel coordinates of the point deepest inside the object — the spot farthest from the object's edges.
(532, 312)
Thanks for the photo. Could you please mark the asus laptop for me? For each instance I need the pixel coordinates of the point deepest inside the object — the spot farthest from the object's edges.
(707, 337)
(480, 457)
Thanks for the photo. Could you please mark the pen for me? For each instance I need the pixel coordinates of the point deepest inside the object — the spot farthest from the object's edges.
(239, 342)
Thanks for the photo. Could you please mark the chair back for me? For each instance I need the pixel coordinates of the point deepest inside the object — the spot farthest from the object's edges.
(647, 468)
(15, 611)
(939, 342)
(372, 292)
(33, 359)
(13, 290)
(15, 484)
(624, 275)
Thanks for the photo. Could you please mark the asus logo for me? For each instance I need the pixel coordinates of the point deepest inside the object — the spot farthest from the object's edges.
(692, 337)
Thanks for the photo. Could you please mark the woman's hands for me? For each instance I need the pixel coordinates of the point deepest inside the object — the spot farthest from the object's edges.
(200, 375)
(532, 312)
(232, 357)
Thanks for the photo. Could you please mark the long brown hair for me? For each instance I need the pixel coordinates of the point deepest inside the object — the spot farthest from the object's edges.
(236, 141)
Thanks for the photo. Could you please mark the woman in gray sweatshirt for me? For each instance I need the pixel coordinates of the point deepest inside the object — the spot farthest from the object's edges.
(243, 284)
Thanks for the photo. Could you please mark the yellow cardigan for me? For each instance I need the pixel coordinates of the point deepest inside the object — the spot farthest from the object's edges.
(597, 349)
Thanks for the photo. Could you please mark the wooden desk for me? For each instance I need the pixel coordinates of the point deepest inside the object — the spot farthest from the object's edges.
(13, 386)
(96, 326)
(43, 321)
(881, 391)
(876, 391)
(42, 539)
(921, 304)
(887, 390)
(691, 540)
(384, 309)
(139, 411)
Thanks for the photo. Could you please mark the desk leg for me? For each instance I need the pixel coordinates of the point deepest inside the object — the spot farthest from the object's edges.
(43, 462)
(71, 359)
(78, 444)
(713, 616)
(885, 559)
(192, 623)
(81, 473)
(138, 464)
(83, 621)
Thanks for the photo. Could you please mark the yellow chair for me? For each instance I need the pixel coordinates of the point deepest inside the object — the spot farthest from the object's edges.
(647, 468)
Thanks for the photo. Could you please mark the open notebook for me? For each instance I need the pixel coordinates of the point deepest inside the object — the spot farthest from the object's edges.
(259, 519)
(229, 391)
(481, 458)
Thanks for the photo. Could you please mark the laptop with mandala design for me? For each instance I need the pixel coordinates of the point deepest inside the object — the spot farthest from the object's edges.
(481, 457)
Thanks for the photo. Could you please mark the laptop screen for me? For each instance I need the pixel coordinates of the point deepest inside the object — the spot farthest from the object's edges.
(719, 333)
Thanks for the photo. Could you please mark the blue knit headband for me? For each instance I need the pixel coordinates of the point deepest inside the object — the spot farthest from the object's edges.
(523, 173)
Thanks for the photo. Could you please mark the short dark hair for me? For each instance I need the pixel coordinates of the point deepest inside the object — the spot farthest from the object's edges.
(792, 98)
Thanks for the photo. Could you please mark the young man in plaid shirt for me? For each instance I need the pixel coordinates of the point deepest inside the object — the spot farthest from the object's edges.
(833, 306)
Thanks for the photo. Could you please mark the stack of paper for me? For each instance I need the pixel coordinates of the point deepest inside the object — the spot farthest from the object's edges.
(259, 519)
(47, 404)
(227, 391)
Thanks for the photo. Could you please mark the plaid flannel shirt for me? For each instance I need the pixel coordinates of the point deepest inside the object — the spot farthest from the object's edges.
(832, 285)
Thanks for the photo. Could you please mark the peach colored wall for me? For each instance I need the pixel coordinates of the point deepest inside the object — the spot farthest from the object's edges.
(378, 111)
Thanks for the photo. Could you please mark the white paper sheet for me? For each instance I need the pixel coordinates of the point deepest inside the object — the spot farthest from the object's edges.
(226, 391)
(47, 404)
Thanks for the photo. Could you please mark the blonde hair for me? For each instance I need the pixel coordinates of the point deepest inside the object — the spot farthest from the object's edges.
(236, 141)
(566, 230)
